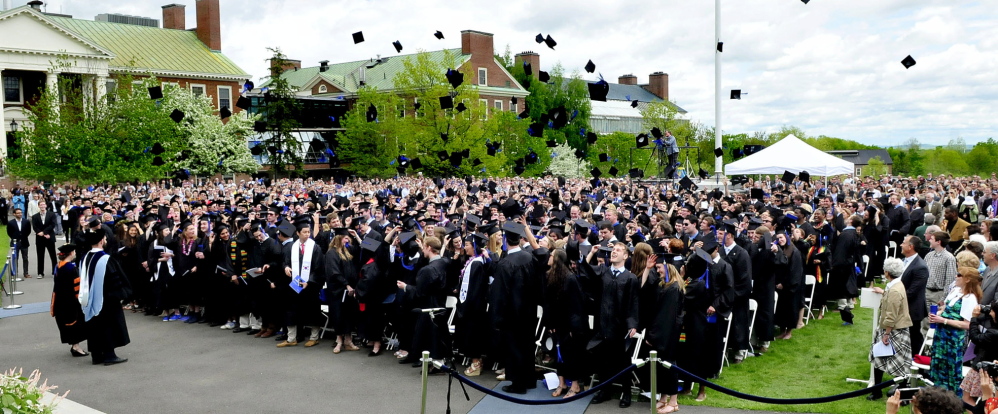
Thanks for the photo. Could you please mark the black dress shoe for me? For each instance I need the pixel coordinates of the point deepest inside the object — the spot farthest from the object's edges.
(115, 360)
(408, 360)
(281, 338)
(625, 401)
(253, 332)
(600, 397)
(510, 389)
(374, 354)
(78, 354)
(238, 330)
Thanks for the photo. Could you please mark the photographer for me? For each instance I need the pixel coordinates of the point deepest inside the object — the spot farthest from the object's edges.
(984, 336)
(933, 400)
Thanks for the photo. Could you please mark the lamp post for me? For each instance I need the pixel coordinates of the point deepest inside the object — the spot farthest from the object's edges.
(13, 126)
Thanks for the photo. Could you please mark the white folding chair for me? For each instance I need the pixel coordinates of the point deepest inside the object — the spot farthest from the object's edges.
(724, 348)
(753, 307)
(866, 266)
(776, 301)
(639, 339)
(325, 327)
(592, 320)
(451, 303)
(892, 247)
(926, 346)
(808, 301)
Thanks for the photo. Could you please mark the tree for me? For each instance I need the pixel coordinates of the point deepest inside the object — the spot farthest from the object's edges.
(280, 111)
(564, 163)
(875, 168)
(561, 91)
(214, 147)
(957, 144)
(71, 136)
(983, 158)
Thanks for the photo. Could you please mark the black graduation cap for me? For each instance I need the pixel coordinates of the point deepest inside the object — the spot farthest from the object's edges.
(634, 103)
(157, 149)
(531, 158)
(788, 177)
(158, 161)
(510, 226)
(260, 126)
(224, 112)
(603, 157)
(398, 46)
(805, 176)
(720, 46)
(490, 150)
(756, 193)
(687, 184)
(177, 115)
(442, 155)
(657, 133)
(370, 244)
(272, 149)
(641, 141)
(446, 102)
(372, 113)
(636, 173)
(730, 226)
(536, 130)
(519, 169)
(512, 100)
(580, 153)
(156, 92)
(805, 1)
(598, 90)
(358, 37)
(613, 171)
(455, 78)
(476, 162)
(527, 69)
(287, 229)
(539, 38)
(595, 172)
(438, 35)
(416, 106)
(736, 94)
(243, 102)
(461, 107)
(590, 67)
(908, 62)
(552, 143)
(591, 137)
(256, 150)
(543, 76)
(550, 42)
(703, 173)
(736, 153)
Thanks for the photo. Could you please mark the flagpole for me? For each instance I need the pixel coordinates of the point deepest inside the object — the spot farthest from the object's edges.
(718, 161)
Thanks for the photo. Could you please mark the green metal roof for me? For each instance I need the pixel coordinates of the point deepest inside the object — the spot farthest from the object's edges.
(153, 49)
(347, 75)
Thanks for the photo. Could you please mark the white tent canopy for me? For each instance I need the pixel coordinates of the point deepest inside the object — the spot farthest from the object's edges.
(790, 154)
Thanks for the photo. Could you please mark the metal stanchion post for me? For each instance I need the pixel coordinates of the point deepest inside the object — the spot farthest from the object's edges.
(13, 264)
(12, 291)
(426, 370)
(652, 366)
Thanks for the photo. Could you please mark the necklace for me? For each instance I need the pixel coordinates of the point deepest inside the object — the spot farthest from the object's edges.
(186, 247)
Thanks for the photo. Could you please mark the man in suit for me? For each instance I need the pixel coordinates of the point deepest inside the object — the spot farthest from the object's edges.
(741, 267)
(955, 226)
(990, 274)
(914, 278)
(43, 224)
(932, 205)
(18, 230)
(690, 234)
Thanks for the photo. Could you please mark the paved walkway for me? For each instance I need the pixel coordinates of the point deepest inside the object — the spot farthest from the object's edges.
(179, 368)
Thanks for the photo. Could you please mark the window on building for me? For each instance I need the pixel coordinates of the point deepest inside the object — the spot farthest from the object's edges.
(198, 89)
(12, 89)
(417, 112)
(484, 104)
(168, 85)
(859, 171)
(401, 109)
(497, 104)
(513, 107)
(111, 90)
(323, 89)
(225, 97)
(483, 76)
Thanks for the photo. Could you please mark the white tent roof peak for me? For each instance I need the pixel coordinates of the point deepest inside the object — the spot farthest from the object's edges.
(790, 154)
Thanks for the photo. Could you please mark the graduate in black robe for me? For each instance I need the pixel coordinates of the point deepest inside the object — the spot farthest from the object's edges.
(266, 259)
(741, 268)
(662, 294)
(374, 287)
(65, 302)
(789, 271)
(516, 293)
(103, 286)
(430, 292)
(567, 322)
(617, 320)
(843, 283)
(763, 286)
(471, 323)
(160, 262)
(341, 277)
(303, 306)
(708, 300)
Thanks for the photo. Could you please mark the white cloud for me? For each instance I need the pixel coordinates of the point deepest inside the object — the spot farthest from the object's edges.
(831, 67)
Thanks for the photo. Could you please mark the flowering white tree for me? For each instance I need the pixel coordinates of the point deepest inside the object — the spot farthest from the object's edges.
(564, 163)
(215, 147)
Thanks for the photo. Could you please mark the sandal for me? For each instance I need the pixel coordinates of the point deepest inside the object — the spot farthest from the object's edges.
(338, 348)
(668, 409)
(557, 391)
(571, 393)
(474, 370)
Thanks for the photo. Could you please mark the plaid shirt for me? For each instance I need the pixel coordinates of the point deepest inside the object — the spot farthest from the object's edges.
(942, 269)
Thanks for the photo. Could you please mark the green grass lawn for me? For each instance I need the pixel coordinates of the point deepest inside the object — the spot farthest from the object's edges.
(814, 363)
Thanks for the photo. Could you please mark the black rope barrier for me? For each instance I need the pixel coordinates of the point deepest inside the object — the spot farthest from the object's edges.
(767, 400)
(512, 399)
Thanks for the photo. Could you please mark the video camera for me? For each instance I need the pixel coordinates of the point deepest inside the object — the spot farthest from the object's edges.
(990, 367)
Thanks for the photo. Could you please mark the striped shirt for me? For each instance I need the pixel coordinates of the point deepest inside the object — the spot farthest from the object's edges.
(942, 269)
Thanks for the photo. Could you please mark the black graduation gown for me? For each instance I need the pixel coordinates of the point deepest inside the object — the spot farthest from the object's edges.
(516, 293)
(343, 308)
(107, 329)
(662, 319)
(763, 289)
(131, 264)
(373, 288)
(564, 313)
(264, 301)
(66, 304)
(471, 323)
(842, 282)
(618, 315)
(191, 287)
(164, 292)
(877, 238)
(303, 308)
(430, 291)
(790, 274)
(741, 268)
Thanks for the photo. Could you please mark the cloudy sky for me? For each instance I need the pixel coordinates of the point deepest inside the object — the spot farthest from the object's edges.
(831, 67)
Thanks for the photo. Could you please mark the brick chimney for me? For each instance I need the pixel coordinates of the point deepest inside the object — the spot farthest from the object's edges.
(174, 16)
(627, 80)
(289, 65)
(530, 57)
(658, 84)
(209, 28)
(477, 44)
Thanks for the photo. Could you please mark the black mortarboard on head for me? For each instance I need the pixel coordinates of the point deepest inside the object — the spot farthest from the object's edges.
(67, 248)
(243, 102)
(730, 226)
(513, 227)
(370, 244)
(908, 62)
(224, 112)
(438, 35)
(736, 94)
(446, 102)
(156, 92)
(590, 67)
(398, 46)
(718, 152)
(358, 37)
(177, 115)
(788, 177)
(687, 184)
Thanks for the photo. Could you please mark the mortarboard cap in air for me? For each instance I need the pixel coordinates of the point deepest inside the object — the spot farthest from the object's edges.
(634, 103)
(460, 107)
(243, 103)
(439, 35)
(358, 37)
(908, 62)
(224, 112)
(598, 90)
(591, 137)
(657, 133)
(703, 173)
(446, 102)
(590, 67)
(687, 184)
(549, 41)
(156, 92)
(805, 176)
(641, 141)
(595, 172)
(543, 76)
(603, 157)
(756, 193)
(552, 143)
(158, 161)
(718, 152)
(613, 171)
(736, 94)
(177, 115)
(788, 177)
(636, 173)
(398, 46)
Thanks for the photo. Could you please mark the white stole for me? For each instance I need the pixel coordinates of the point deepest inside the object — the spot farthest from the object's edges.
(301, 267)
(466, 278)
(168, 262)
